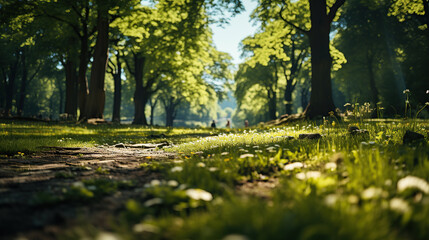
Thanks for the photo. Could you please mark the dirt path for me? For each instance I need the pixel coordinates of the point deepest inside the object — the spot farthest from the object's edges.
(26, 184)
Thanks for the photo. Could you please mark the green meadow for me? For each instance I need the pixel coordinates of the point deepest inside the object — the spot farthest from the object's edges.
(256, 183)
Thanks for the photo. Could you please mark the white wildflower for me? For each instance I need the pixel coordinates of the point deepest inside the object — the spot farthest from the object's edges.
(201, 164)
(177, 169)
(413, 182)
(224, 153)
(292, 166)
(213, 169)
(372, 192)
(308, 175)
(173, 183)
(331, 199)
(399, 205)
(331, 166)
(78, 184)
(155, 182)
(199, 194)
(107, 236)
(144, 227)
(153, 201)
(353, 199)
(247, 155)
(235, 237)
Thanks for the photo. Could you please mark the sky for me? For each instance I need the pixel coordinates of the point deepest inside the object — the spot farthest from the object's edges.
(228, 37)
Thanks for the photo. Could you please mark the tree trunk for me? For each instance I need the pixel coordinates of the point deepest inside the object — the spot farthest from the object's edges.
(97, 95)
(11, 85)
(321, 101)
(2, 90)
(117, 93)
(426, 14)
(140, 98)
(83, 66)
(288, 97)
(169, 112)
(304, 96)
(71, 89)
(371, 75)
(272, 108)
(23, 89)
(61, 93)
(152, 110)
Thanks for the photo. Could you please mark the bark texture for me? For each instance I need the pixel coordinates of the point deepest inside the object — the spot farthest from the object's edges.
(97, 95)
(117, 95)
(71, 89)
(140, 98)
(321, 101)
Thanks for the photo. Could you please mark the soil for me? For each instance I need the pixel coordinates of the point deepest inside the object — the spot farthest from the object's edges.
(52, 171)
(23, 178)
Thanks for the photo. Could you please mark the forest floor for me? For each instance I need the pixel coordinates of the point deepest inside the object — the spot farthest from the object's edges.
(310, 180)
(24, 180)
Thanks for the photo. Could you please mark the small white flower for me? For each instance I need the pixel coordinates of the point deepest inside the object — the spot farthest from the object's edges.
(235, 237)
(155, 182)
(399, 205)
(107, 236)
(406, 91)
(173, 183)
(308, 175)
(201, 164)
(353, 199)
(144, 227)
(153, 201)
(224, 153)
(331, 199)
(247, 155)
(331, 166)
(177, 169)
(292, 166)
(199, 194)
(78, 184)
(371, 193)
(413, 182)
(213, 169)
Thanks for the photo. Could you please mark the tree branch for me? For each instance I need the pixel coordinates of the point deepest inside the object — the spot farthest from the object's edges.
(75, 29)
(127, 63)
(113, 69)
(333, 10)
(289, 22)
(35, 73)
(79, 14)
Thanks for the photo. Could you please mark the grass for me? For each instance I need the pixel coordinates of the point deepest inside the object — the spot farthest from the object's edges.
(341, 186)
(27, 138)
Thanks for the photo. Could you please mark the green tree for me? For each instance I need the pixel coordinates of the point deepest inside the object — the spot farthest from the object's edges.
(319, 16)
(263, 78)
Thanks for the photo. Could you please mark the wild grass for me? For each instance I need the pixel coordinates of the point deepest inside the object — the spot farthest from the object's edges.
(341, 186)
(27, 137)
